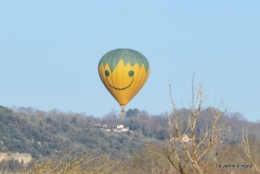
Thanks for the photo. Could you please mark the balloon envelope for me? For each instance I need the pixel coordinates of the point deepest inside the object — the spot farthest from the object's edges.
(123, 72)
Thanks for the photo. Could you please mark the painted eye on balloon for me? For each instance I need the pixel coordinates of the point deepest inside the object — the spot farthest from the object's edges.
(107, 73)
(131, 73)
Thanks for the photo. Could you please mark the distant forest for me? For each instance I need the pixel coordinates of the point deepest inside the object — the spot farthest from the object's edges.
(41, 133)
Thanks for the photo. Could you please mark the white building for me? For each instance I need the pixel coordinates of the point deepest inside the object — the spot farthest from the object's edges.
(119, 126)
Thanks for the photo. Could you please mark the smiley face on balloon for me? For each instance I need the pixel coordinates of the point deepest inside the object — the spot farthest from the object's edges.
(123, 72)
(130, 73)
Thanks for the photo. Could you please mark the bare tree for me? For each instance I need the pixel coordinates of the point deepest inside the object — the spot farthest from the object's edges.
(246, 148)
(188, 156)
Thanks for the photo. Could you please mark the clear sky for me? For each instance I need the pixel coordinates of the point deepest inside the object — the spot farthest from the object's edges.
(49, 53)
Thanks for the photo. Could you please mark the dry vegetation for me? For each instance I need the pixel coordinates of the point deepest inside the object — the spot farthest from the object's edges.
(153, 158)
(70, 163)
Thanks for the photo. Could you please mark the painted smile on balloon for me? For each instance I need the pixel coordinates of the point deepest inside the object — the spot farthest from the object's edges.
(121, 88)
(130, 74)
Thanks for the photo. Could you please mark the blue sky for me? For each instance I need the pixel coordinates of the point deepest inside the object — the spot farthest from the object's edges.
(49, 53)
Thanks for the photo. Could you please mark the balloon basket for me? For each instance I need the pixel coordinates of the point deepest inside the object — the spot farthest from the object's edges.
(123, 112)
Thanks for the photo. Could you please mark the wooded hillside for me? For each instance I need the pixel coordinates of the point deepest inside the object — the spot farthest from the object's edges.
(42, 134)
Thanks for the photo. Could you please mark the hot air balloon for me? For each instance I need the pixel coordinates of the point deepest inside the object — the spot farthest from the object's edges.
(123, 72)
